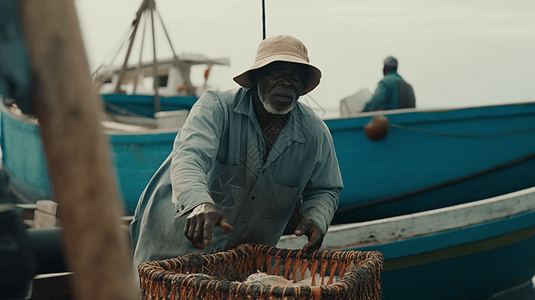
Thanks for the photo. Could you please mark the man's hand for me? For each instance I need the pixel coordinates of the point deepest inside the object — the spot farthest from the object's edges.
(201, 222)
(311, 229)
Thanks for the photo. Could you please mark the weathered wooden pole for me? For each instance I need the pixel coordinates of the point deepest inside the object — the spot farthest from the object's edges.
(77, 152)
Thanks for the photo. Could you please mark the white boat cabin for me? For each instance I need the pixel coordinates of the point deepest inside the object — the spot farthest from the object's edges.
(173, 77)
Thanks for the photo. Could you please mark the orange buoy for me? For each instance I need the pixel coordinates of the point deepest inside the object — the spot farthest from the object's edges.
(377, 128)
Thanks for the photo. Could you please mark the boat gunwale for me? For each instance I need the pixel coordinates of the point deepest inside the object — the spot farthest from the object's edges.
(429, 110)
(115, 135)
(411, 226)
(415, 116)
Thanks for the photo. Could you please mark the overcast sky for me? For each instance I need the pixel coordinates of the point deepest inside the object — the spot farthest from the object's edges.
(454, 53)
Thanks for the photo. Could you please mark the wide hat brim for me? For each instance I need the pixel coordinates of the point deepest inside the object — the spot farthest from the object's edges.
(264, 58)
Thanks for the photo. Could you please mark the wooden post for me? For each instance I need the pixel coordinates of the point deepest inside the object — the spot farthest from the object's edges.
(77, 152)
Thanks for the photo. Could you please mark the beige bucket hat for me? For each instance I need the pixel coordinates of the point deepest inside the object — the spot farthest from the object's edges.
(282, 48)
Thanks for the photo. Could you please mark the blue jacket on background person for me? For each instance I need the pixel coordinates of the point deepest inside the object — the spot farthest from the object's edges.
(392, 92)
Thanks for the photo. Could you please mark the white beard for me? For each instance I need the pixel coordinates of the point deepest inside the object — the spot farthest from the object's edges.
(268, 106)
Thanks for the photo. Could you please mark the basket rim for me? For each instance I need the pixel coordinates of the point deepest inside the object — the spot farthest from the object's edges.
(361, 264)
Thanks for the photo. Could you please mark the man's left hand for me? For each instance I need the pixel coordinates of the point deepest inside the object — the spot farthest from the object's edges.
(313, 231)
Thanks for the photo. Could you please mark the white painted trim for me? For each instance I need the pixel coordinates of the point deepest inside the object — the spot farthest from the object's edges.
(374, 232)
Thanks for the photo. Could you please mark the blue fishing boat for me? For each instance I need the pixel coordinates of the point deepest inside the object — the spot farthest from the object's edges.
(433, 158)
(137, 152)
(467, 251)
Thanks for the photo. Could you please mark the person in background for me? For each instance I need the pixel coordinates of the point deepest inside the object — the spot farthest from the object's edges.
(392, 92)
(241, 164)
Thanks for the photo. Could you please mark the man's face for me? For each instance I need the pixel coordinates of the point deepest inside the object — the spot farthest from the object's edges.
(280, 84)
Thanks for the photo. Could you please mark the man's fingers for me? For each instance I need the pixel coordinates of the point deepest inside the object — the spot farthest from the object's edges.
(306, 247)
(189, 232)
(198, 237)
(186, 228)
(190, 228)
(201, 222)
(207, 232)
(314, 243)
(302, 228)
(225, 225)
(312, 230)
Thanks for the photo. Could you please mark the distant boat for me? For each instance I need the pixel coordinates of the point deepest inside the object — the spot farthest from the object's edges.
(140, 137)
(467, 251)
(173, 100)
(145, 105)
(140, 93)
(174, 91)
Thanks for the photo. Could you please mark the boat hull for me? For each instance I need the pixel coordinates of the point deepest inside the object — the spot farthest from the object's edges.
(468, 251)
(472, 270)
(135, 156)
(143, 105)
(433, 159)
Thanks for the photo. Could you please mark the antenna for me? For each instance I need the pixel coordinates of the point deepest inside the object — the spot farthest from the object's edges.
(264, 19)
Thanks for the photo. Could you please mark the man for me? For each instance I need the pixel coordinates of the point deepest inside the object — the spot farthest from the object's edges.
(392, 92)
(241, 163)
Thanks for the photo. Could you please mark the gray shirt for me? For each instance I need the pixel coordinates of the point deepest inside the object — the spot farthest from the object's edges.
(218, 158)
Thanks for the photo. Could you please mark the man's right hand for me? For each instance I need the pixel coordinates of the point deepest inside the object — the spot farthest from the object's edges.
(201, 222)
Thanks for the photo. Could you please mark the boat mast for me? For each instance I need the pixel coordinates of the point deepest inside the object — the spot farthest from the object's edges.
(138, 69)
(146, 7)
(156, 78)
(132, 38)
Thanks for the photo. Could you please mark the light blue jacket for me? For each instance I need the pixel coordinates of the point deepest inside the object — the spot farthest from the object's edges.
(392, 93)
(218, 158)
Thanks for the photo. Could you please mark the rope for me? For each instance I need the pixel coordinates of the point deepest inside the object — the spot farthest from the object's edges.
(185, 74)
(167, 35)
(120, 43)
(443, 133)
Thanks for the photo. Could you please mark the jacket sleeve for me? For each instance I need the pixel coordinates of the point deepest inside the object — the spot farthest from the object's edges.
(194, 151)
(378, 100)
(320, 197)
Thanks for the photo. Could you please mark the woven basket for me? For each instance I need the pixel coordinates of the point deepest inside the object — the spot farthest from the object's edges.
(185, 277)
